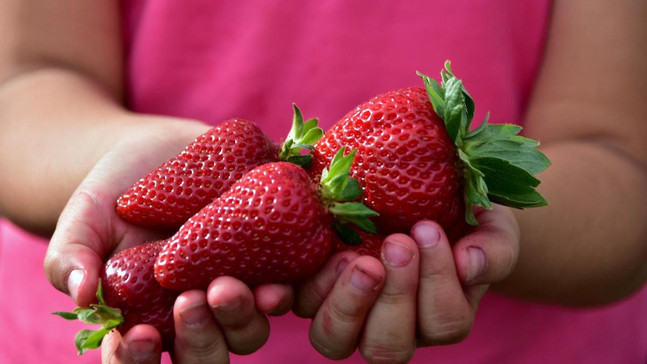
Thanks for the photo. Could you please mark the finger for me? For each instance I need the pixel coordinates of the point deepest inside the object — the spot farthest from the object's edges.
(142, 344)
(474, 293)
(444, 313)
(197, 336)
(274, 299)
(489, 254)
(75, 253)
(336, 328)
(245, 329)
(87, 230)
(311, 294)
(390, 332)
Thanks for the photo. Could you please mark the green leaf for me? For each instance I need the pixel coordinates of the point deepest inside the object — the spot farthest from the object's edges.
(66, 315)
(300, 140)
(99, 294)
(90, 316)
(337, 188)
(499, 165)
(455, 116)
(435, 92)
(99, 314)
(501, 141)
(467, 98)
(311, 137)
(356, 213)
(335, 178)
(80, 339)
(350, 209)
(303, 161)
(520, 201)
(347, 234)
(501, 175)
(107, 312)
(352, 190)
(476, 190)
(89, 339)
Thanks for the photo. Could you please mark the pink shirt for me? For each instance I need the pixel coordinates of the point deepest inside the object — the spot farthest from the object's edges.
(213, 60)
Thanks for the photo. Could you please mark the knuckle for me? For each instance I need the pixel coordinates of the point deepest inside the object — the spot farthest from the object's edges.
(507, 260)
(394, 297)
(329, 349)
(308, 301)
(200, 346)
(246, 345)
(445, 331)
(384, 355)
(345, 312)
(54, 275)
(236, 323)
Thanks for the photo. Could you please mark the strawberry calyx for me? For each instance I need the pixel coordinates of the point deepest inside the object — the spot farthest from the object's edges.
(498, 164)
(300, 141)
(339, 192)
(97, 314)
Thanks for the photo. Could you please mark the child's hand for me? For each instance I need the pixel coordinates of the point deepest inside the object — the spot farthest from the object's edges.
(89, 231)
(425, 293)
(207, 327)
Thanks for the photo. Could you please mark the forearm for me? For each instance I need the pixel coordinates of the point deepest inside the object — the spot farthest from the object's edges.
(60, 82)
(55, 124)
(589, 245)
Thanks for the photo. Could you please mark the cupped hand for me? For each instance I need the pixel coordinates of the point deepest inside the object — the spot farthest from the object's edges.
(208, 325)
(89, 231)
(423, 292)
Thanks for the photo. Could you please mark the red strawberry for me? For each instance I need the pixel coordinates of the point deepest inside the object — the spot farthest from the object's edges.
(180, 187)
(370, 244)
(405, 159)
(128, 295)
(272, 226)
(417, 158)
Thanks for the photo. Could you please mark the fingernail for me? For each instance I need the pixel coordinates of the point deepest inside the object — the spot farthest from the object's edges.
(228, 307)
(396, 254)
(141, 349)
(426, 235)
(195, 316)
(74, 282)
(362, 281)
(477, 264)
(341, 266)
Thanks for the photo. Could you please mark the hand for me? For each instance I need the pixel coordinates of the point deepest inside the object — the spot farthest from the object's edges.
(424, 292)
(89, 230)
(205, 328)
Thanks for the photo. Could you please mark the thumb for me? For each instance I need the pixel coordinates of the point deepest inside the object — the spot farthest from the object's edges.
(75, 253)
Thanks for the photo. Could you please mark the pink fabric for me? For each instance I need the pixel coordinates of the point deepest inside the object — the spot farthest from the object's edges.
(212, 60)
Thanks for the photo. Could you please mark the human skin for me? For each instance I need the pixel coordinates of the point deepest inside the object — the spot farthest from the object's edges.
(586, 248)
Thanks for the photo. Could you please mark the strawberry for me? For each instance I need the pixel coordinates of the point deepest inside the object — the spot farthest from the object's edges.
(180, 187)
(417, 157)
(128, 295)
(272, 226)
(368, 244)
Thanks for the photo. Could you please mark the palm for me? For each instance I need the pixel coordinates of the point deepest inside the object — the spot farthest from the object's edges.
(89, 229)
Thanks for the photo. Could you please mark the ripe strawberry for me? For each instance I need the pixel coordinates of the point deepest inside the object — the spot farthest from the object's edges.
(417, 158)
(368, 244)
(128, 295)
(272, 226)
(180, 187)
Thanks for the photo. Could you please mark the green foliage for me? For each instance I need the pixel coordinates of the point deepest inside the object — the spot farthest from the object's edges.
(97, 314)
(499, 165)
(300, 140)
(339, 191)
